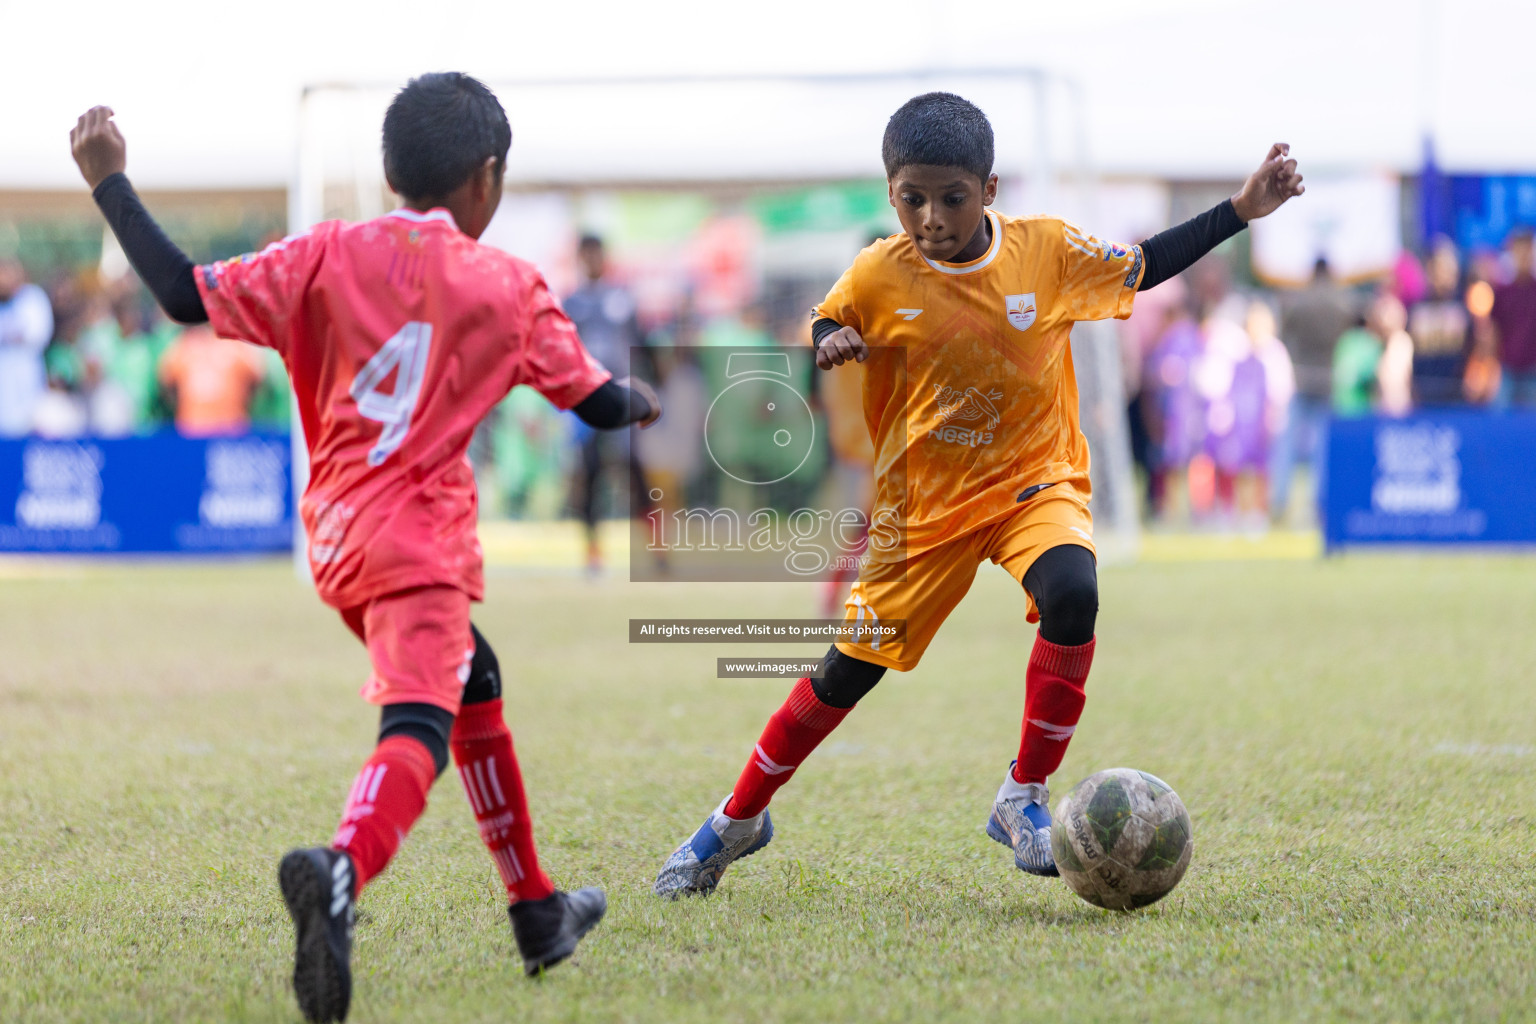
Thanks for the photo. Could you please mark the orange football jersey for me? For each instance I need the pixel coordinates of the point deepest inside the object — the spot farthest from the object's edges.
(969, 394)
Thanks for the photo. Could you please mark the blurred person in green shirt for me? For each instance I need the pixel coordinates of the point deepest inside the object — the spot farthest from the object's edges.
(1373, 363)
(529, 439)
(121, 356)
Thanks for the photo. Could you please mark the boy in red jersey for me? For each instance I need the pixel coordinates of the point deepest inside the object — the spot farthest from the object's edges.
(978, 452)
(399, 335)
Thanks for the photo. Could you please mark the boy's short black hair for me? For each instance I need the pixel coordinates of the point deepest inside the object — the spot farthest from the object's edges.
(439, 130)
(590, 240)
(940, 129)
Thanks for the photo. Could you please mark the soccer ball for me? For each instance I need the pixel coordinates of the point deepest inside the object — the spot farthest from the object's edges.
(1122, 839)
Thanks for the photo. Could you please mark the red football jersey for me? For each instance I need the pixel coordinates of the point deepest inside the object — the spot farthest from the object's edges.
(399, 334)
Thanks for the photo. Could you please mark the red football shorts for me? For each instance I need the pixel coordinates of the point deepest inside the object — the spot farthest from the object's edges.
(420, 645)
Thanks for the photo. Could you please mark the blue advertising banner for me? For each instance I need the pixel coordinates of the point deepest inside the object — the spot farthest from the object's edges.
(1477, 211)
(162, 493)
(1486, 207)
(1432, 479)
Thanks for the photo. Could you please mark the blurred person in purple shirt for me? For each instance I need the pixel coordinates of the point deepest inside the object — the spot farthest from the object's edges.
(1158, 308)
(1179, 410)
(1513, 318)
(1230, 376)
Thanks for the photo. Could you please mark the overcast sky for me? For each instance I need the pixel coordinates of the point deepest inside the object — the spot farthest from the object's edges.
(1191, 88)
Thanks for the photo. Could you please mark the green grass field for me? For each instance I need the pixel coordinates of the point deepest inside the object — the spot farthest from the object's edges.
(1353, 738)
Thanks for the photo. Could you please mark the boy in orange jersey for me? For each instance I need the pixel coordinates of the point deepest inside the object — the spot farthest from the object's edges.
(979, 456)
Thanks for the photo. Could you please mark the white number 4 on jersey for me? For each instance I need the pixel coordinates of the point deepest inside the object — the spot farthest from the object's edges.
(407, 350)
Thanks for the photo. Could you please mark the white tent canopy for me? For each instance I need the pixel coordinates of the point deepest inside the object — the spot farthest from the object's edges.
(721, 128)
(209, 96)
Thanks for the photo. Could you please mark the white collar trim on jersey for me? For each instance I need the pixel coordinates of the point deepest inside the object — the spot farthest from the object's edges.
(981, 264)
(416, 216)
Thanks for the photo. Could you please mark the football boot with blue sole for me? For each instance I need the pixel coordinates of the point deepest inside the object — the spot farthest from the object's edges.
(1021, 821)
(694, 869)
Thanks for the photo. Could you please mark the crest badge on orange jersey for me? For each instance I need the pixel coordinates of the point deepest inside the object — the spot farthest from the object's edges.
(1021, 310)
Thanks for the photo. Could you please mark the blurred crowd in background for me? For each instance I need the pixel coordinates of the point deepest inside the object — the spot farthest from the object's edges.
(1230, 392)
(86, 355)
(1229, 388)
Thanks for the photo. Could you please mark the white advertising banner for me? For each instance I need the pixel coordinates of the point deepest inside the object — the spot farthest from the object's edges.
(1353, 222)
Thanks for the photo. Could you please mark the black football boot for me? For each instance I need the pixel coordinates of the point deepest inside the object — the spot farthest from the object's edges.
(319, 887)
(547, 930)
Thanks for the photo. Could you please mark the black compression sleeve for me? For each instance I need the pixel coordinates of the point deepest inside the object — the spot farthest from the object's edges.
(1174, 251)
(427, 724)
(164, 268)
(484, 683)
(821, 328)
(612, 406)
(1064, 581)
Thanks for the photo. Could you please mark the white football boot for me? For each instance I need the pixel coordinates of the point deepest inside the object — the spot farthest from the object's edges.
(1021, 821)
(696, 866)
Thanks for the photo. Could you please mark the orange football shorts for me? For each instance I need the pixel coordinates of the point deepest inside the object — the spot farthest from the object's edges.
(925, 588)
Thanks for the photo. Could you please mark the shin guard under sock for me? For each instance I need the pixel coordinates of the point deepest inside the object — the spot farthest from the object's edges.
(482, 749)
(387, 797)
(790, 735)
(1053, 702)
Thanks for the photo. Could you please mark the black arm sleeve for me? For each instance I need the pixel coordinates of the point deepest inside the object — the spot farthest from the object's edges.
(164, 268)
(821, 328)
(612, 406)
(1174, 251)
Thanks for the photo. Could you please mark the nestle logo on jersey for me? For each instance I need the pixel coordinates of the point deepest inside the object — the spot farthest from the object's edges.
(961, 435)
(956, 406)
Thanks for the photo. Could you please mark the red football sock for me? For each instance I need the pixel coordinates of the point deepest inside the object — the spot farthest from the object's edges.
(387, 797)
(790, 735)
(1053, 701)
(482, 748)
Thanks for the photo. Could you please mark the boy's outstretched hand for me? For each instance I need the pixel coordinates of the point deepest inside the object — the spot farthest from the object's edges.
(841, 346)
(1272, 184)
(98, 146)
